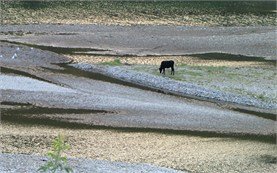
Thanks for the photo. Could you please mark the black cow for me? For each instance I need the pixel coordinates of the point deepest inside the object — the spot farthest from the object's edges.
(167, 64)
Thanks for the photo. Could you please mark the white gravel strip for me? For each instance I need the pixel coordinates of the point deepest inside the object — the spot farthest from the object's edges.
(172, 86)
(15, 163)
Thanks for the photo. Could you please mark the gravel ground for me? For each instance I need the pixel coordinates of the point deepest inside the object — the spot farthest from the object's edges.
(28, 84)
(23, 56)
(177, 151)
(134, 108)
(12, 163)
(144, 40)
(172, 86)
(250, 78)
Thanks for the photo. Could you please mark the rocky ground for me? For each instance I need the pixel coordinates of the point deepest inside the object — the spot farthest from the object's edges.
(132, 106)
(126, 125)
(257, 42)
(246, 80)
(33, 116)
(32, 163)
(178, 151)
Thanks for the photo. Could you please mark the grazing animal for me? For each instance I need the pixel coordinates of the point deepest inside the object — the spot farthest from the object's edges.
(167, 64)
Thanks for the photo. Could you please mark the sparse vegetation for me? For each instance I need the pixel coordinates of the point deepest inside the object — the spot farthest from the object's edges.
(57, 162)
(269, 159)
(208, 13)
(229, 79)
(115, 62)
(223, 74)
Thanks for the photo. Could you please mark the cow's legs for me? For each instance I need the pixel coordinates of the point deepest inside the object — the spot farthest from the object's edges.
(172, 70)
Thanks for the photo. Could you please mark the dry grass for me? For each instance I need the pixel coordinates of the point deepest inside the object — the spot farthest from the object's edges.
(128, 13)
(179, 60)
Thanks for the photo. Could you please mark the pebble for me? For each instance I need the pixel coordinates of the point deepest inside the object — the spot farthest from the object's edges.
(14, 56)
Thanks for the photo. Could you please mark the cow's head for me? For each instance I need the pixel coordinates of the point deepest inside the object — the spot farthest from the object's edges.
(160, 70)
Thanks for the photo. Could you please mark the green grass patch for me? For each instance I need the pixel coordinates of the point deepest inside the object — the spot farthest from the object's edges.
(115, 62)
(228, 79)
(208, 70)
(193, 73)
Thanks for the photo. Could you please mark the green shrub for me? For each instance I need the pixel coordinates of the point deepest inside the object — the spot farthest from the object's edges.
(57, 161)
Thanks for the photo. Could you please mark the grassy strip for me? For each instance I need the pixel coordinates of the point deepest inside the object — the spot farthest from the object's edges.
(239, 81)
(115, 62)
(125, 12)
